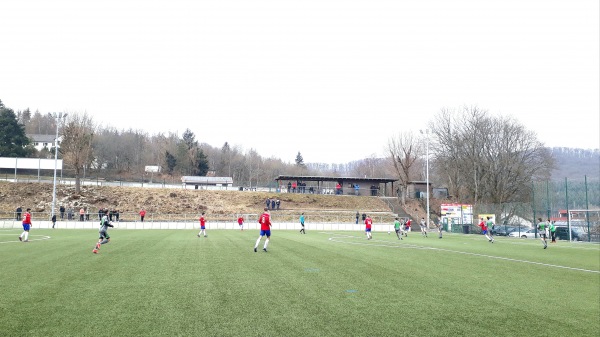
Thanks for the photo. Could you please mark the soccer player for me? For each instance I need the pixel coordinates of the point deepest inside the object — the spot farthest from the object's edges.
(490, 226)
(407, 225)
(202, 225)
(368, 223)
(26, 226)
(265, 229)
(440, 229)
(423, 227)
(302, 223)
(484, 229)
(542, 229)
(397, 228)
(241, 222)
(104, 238)
(553, 231)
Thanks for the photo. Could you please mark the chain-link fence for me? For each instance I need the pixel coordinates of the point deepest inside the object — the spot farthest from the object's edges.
(552, 200)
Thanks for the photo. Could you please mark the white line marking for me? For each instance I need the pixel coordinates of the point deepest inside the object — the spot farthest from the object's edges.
(42, 237)
(407, 245)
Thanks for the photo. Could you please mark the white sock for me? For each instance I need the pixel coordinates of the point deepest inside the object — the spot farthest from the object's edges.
(266, 243)
(22, 234)
(26, 236)
(257, 242)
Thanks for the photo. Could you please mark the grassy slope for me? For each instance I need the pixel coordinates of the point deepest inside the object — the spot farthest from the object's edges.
(159, 282)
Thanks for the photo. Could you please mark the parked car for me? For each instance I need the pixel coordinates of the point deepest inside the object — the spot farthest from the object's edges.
(502, 230)
(524, 233)
(577, 233)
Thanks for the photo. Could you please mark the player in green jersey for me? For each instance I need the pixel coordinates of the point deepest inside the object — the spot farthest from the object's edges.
(397, 228)
(542, 230)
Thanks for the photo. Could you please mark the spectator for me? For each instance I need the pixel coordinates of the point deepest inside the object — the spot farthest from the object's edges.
(268, 203)
(356, 188)
(53, 220)
(357, 216)
(70, 213)
(289, 187)
(81, 214)
(273, 204)
(100, 213)
(278, 202)
(87, 213)
(338, 189)
(19, 212)
(142, 214)
(62, 212)
(294, 185)
(117, 215)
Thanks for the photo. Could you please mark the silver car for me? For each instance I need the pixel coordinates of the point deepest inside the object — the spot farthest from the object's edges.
(525, 234)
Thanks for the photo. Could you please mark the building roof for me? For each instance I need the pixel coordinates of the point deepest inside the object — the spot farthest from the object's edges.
(41, 138)
(325, 178)
(206, 180)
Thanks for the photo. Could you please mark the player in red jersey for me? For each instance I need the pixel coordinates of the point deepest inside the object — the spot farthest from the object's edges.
(484, 229)
(26, 226)
(407, 227)
(202, 226)
(368, 224)
(265, 229)
(241, 222)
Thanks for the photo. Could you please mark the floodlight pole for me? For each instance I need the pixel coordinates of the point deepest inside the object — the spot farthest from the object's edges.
(58, 118)
(427, 171)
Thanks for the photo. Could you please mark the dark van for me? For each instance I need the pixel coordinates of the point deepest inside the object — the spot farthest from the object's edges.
(577, 234)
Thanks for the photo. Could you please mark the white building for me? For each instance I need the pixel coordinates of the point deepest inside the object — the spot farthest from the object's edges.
(43, 141)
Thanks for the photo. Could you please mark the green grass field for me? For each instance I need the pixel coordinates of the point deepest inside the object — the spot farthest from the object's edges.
(172, 283)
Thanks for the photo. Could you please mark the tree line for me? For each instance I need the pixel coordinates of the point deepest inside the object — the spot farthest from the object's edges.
(478, 157)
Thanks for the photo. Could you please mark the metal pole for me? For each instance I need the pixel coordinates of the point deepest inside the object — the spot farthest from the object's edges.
(427, 171)
(587, 208)
(427, 175)
(548, 200)
(533, 206)
(57, 117)
(567, 202)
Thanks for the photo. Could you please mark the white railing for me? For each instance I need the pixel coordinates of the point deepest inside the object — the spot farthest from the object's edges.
(210, 225)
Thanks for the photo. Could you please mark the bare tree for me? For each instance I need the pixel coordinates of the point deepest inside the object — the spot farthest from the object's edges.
(76, 146)
(486, 158)
(404, 152)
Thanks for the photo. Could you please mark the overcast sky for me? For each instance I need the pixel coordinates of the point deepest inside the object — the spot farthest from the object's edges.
(334, 80)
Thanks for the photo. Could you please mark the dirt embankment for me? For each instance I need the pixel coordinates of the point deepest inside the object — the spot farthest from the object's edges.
(38, 197)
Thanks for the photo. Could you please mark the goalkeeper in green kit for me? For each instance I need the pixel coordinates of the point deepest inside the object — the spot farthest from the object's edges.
(104, 237)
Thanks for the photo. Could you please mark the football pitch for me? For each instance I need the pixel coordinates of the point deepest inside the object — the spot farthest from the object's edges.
(173, 283)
